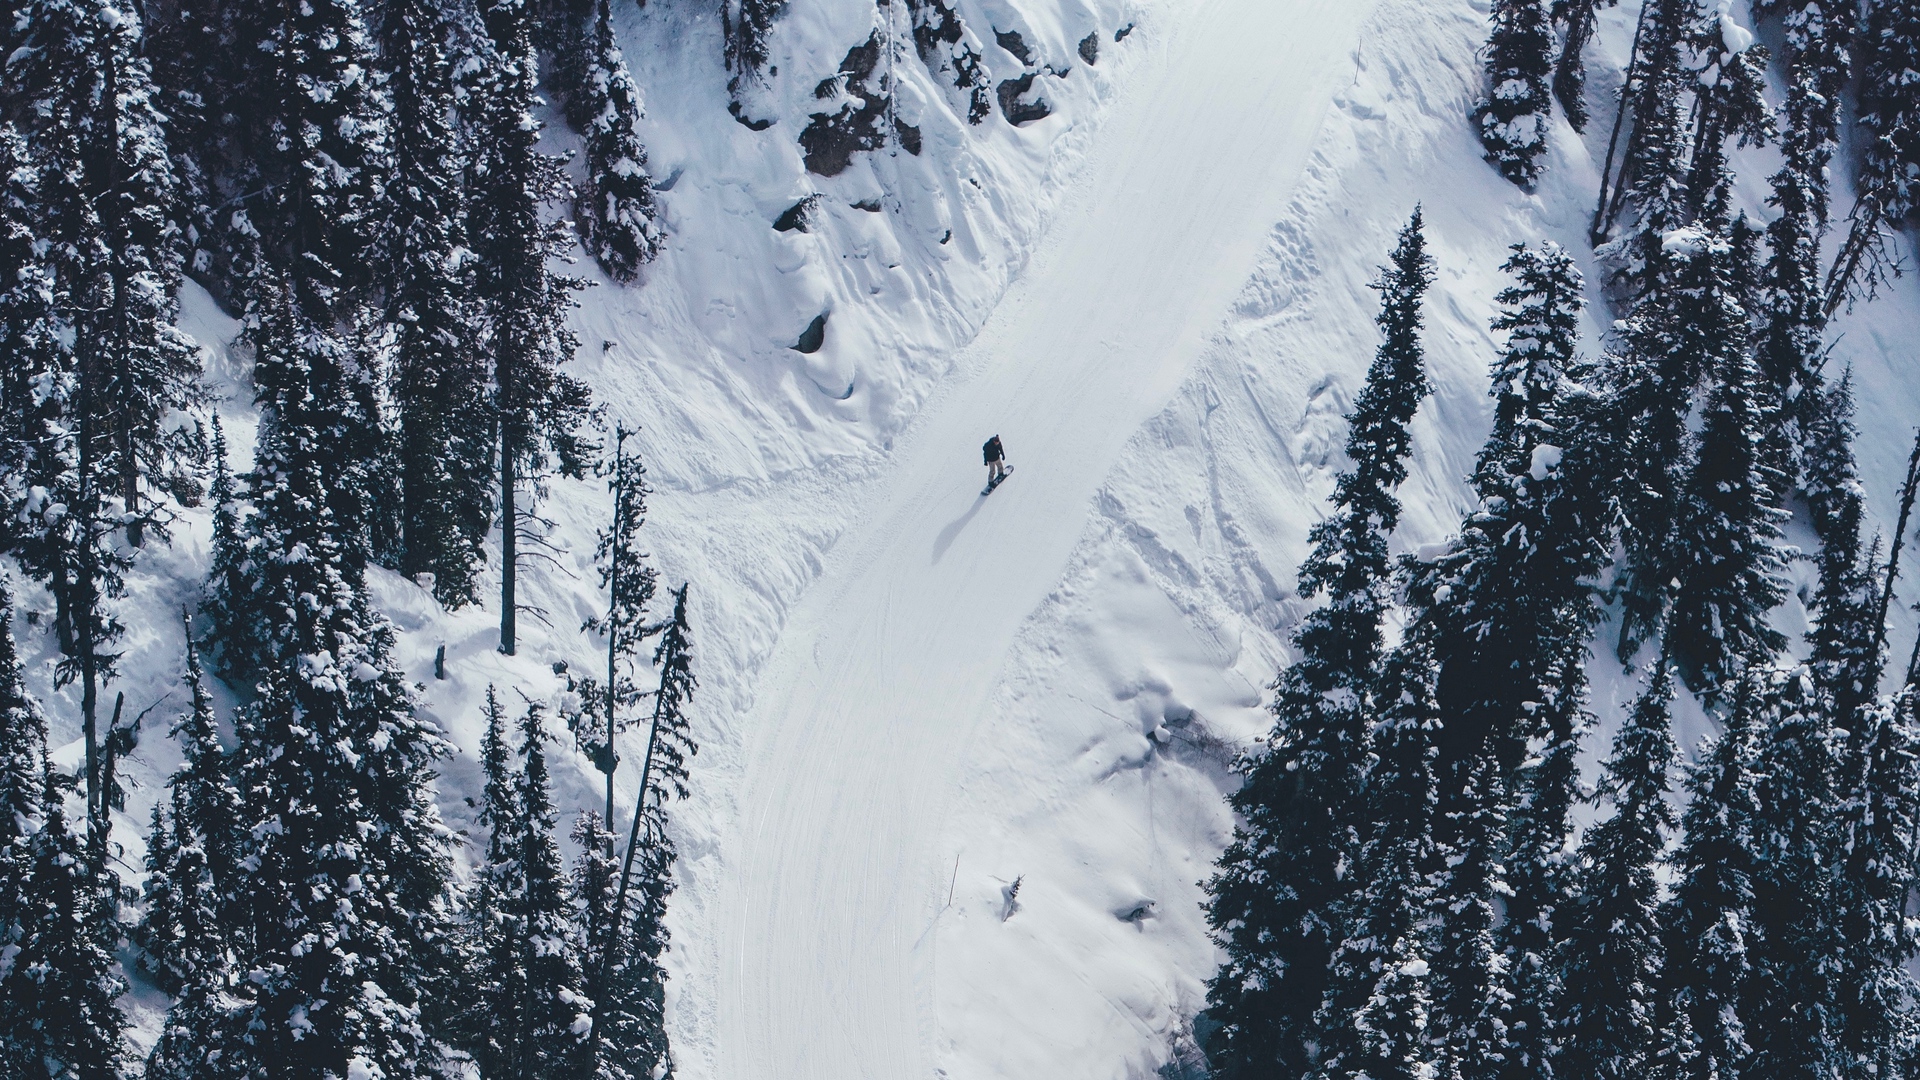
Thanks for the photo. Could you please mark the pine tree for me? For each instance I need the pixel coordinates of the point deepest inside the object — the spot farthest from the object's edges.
(630, 1040)
(1878, 1016)
(555, 1005)
(1689, 327)
(23, 748)
(1793, 1001)
(539, 409)
(628, 977)
(1277, 895)
(490, 1032)
(342, 905)
(1889, 136)
(630, 584)
(1730, 102)
(325, 154)
(63, 1018)
(1611, 959)
(107, 202)
(1724, 550)
(1819, 68)
(234, 631)
(615, 207)
(193, 867)
(29, 340)
(1849, 631)
(1472, 1009)
(1570, 72)
(1374, 1017)
(746, 25)
(1655, 96)
(537, 1016)
(1708, 926)
(1889, 105)
(425, 291)
(1516, 596)
(116, 367)
(1512, 119)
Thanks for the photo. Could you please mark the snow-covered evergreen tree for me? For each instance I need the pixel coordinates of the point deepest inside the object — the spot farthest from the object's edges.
(488, 1033)
(628, 976)
(630, 582)
(1731, 106)
(62, 1019)
(424, 286)
(1509, 608)
(747, 24)
(1879, 999)
(539, 409)
(192, 868)
(629, 1028)
(1472, 999)
(227, 602)
(1512, 119)
(1793, 1000)
(1725, 551)
(1278, 894)
(112, 367)
(29, 343)
(1708, 926)
(535, 1014)
(1373, 1022)
(1611, 959)
(1849, 629)
(1691, 328)
(1570, 71)
(325, 154)
(1655, 97)
(1889, 138)
(1819, 67)
(342, 902)
(23, 750)
(618, 221)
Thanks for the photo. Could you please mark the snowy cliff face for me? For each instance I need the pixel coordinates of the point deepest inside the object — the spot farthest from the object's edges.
(963, 760)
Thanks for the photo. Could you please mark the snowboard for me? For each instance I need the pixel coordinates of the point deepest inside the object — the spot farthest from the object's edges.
(991, 484)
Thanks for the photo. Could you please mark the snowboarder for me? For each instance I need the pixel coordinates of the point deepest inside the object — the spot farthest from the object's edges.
(997, 467)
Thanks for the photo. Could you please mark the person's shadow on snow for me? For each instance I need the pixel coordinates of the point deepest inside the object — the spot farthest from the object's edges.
(947, 535)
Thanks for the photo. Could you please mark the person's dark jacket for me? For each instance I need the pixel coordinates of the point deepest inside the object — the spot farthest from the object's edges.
(992, 450)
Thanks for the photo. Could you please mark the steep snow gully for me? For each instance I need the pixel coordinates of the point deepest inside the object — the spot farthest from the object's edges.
(834, 879)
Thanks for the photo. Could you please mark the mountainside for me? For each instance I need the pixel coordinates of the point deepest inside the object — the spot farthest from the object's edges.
(963, 760)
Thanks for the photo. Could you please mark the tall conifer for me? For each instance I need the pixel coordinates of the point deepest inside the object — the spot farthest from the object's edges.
(1279, 892)
(1513, 117)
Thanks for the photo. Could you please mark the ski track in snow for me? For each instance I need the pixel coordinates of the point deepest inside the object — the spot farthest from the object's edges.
(832, 882)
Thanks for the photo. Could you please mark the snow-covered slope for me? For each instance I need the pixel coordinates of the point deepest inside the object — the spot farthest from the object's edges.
(912, 697)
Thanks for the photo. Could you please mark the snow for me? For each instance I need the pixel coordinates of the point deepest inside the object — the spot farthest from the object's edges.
(912, 697)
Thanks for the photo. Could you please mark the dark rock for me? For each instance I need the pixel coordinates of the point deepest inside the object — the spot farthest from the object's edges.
(939, 37)
(831, 140)
(1017, 111)
(814, 336)
(1011, 41)
(871, 206)
(1090, 49)
(909, 136)
(798, 217)
(1121, 34)
(751, 124)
